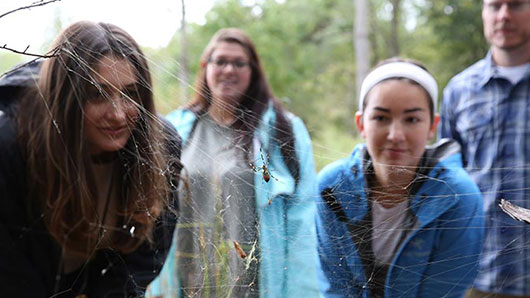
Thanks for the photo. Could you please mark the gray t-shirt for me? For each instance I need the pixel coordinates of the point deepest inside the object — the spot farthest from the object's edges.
(387, 230)
(218, 210)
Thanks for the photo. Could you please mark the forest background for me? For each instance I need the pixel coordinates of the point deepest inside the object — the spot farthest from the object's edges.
(314, 52)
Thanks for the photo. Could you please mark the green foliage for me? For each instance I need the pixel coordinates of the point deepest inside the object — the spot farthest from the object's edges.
(449, 36)
(308, 54)
(8, 60)
(306, 51)
(332, 144)
(380, 29)
(165, 67)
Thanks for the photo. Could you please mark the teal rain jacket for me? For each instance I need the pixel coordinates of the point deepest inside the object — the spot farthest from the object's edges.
(289, 262)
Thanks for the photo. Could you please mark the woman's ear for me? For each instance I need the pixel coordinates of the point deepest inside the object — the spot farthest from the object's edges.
(359, 123)
(434, 125)
(203, 64)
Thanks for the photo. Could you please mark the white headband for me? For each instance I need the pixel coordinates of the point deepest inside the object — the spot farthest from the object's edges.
(400, 70)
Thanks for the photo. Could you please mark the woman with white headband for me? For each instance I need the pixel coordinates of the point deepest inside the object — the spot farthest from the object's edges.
(398, 218)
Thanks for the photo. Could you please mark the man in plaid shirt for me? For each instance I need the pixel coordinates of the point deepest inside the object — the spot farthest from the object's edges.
(486, 108)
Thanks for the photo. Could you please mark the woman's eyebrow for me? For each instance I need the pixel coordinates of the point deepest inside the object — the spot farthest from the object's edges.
(414, 110)
(380, 109)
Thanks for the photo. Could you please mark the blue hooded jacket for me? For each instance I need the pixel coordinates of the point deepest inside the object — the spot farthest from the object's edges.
(439, 254)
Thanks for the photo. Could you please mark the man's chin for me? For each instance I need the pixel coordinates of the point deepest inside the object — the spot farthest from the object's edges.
(510, 45)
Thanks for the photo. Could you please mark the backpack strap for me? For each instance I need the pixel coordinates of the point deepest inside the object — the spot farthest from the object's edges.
(361, 235)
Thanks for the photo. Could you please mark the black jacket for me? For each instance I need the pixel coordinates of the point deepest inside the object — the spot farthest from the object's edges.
(30, 259)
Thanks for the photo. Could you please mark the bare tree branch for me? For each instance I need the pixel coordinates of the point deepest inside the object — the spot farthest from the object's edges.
(34, 4)
(51, 54)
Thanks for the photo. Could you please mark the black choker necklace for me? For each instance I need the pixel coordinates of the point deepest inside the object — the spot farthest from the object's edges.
(104, 158)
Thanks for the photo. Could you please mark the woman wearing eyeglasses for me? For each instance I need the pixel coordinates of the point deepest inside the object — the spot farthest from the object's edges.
(247, 228)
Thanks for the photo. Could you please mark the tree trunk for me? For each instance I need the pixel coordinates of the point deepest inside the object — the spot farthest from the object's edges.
(373, 33)
(362, 45)
(183, 73)
(394, 30)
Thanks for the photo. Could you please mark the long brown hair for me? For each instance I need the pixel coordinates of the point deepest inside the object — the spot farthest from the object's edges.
(254, 102)
(50, 123)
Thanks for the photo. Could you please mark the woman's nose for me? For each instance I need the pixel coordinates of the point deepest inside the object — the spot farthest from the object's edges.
(229, 67)
(396, 133)
(118, 106)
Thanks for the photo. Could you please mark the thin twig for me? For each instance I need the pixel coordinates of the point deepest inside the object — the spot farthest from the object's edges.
(34, 4)
(53, 53)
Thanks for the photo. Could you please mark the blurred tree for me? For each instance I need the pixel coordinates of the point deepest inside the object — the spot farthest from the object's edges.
(394, 28)
(184, 68)
(362, 51)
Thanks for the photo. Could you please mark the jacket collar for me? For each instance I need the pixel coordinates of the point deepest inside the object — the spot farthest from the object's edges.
(265, 128)
(489, 71)
(430, 200)
(183, 120)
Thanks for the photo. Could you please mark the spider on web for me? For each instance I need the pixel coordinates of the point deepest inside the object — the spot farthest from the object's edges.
(264, 169)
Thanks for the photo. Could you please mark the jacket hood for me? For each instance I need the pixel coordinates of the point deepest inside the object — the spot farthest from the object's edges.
(14, 81)
(24, 75)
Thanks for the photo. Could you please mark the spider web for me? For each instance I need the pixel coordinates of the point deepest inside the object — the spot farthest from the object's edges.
(330, 153)
(222, 264)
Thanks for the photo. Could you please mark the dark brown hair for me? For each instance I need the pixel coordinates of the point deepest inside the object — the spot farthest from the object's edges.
(50, 122)
(254, 102)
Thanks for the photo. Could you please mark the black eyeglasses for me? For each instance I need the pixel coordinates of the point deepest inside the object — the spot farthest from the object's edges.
(222, 63)
(513, 6)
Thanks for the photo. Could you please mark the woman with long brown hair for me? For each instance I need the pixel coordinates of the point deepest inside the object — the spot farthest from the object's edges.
(247, 228)
(86, 169)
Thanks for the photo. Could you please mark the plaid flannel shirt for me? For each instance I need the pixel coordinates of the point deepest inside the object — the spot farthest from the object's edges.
(490, 118)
